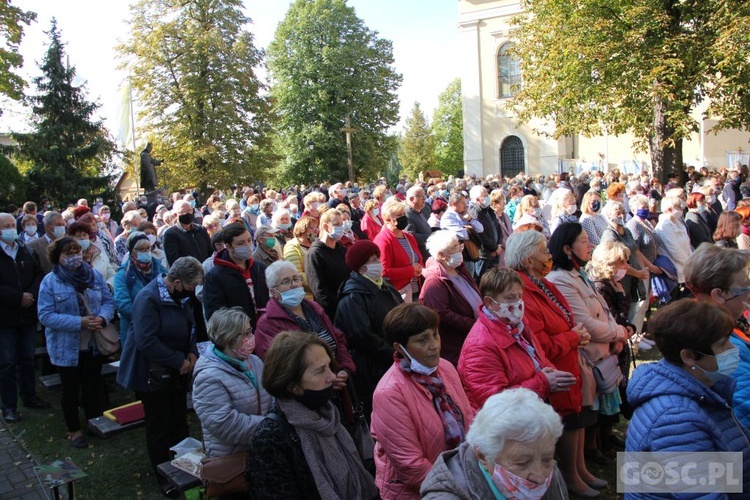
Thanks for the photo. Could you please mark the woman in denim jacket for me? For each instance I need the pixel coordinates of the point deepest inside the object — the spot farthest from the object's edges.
(75, 302)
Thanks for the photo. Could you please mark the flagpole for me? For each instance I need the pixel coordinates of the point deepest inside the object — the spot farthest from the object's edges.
(135, 151)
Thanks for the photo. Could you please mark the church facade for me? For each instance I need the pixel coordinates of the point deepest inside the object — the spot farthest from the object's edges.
(494, 142)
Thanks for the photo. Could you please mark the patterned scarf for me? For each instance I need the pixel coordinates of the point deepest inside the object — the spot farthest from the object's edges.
(548, 293)
(80, 279)
(447, 409)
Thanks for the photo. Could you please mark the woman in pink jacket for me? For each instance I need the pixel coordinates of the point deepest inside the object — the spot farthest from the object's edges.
(419, 407)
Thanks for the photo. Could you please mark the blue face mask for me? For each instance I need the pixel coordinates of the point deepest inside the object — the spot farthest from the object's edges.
(292, 297)
(726, 363)
(143, 257)
(416, 366)
(9, 235)
(85, 244)
(643, 213)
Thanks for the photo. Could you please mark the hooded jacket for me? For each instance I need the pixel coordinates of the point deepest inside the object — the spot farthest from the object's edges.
(228, 404)
(226, 286)
(675, 412)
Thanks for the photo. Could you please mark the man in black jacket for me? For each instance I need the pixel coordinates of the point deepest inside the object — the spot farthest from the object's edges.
(236, 279)
(418, 225)
(20, 277)
(491, 238)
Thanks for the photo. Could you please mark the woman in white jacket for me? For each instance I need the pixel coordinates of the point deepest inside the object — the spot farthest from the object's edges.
(228, 393)
(672, 236)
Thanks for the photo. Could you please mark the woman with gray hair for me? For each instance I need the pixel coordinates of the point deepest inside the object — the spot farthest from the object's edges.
(228, 393)
(508, 453)
(451, 291)
(159, 355)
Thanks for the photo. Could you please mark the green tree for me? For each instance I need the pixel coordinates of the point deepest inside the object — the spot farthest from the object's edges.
(325, 64)
(12, 183)
(68, 151)
(417, 152)
(12, 20)
(448, 130)
(635, 66)
(193, 68)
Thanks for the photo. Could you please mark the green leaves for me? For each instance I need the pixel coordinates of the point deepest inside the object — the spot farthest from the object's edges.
(325, 63)
(448, 130)
(193, 68)
(417, 153)
(12, 20)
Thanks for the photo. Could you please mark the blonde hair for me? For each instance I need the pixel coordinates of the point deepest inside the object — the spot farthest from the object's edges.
(370, 204)
(391, 206)
(329, 216)
(379, 192)
(604, 260)
(526, 203)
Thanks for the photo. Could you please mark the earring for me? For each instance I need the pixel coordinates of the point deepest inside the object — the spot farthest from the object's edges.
(692, 367)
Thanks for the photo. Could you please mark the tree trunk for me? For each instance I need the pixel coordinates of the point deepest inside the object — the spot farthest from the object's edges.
(666, 152)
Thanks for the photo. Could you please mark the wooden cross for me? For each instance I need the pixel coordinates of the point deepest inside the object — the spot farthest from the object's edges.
(349, 131)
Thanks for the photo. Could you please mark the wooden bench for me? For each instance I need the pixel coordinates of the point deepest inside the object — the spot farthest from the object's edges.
(51, 381)
(178, 478)
(106, 428)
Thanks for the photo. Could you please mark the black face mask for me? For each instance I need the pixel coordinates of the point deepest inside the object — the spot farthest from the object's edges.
(402, 222)
(186, 219)
(315, 400)
(178, 295)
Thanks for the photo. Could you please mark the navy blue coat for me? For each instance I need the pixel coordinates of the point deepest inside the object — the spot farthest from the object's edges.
(675, 412)
(161, 335)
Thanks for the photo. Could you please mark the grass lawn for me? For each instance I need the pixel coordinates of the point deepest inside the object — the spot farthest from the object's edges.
(117, 467)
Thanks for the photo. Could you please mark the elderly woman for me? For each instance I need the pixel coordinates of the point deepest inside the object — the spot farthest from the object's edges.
(282, 222)
(500, 352)
(720, 276)
(399, 251)
(129, 222)
(74, 303)
(550, 317)
(364, 300)
(267, 247)
(288, 310)
(571, 251)
(436, 213)
(697, 226)
(138, 271)
(349, 237)
(728, 229)
(92, 255)
(509, 451)
(29, 228)
(303, 451)
(743, 240)
(212, 223)
(159, 355)
(228, 393)
(591, 219)
(325, 263)
(371, 222)
(451, 291)
(683, 401)
(419, 408)
(295, 250)
(505, 227)
(266, 213)
(672, 236)
(564, 208)
(529, 212)
(251, 213)
(637, 271)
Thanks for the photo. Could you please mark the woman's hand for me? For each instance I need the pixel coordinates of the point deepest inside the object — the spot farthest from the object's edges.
(558, 380)
(655, 270)
(618, 346)
(341, 378)
(417, 269)
(584, 337)
(91, 323)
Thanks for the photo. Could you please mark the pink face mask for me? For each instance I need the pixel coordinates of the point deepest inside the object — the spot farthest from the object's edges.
(518, 488)
(246, 349)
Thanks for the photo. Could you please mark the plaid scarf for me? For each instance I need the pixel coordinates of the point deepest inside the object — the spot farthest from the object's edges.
(447, 409)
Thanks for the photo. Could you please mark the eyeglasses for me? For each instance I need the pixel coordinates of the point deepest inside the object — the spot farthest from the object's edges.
(736, 292)
(297, 280)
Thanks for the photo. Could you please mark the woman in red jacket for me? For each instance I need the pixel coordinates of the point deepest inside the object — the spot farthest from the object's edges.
(419, 407)
(549, 316)
(399, 252)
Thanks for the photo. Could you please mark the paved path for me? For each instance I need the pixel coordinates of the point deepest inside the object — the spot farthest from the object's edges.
(17, 477)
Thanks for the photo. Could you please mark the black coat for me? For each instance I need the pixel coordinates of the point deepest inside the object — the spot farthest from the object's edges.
(326, 271)
(226, 287)
(698, 230)
(180, 243)
(17, 277)
(490, 237)
(362, 306)
(420, 229)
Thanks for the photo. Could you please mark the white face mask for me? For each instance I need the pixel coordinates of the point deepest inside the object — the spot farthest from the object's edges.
(537, 212)
(374, 271)
(571, 209)
(511, 313)
(416, 366)
(619, 274)
(455, 259)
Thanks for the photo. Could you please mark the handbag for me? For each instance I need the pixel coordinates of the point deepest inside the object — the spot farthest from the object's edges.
(360, 430)
(163, 379)
(607, 374)
(225, 475)
(472, 244)
(107, 338)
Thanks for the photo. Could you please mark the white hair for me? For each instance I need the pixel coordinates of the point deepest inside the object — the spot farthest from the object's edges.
(513, 415)
(274, 270)
(521, 246)
(230, 204)
(557, 199)
(277, 215)
(670, 203)
(412, 191)
(440, 241)
(179, 205)
(611, 207)
(130, 217)
(334, 188)
(391, 206)
(476, 191)
(638, 201)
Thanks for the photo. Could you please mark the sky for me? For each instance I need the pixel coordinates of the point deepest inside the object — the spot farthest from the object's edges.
(424, 33)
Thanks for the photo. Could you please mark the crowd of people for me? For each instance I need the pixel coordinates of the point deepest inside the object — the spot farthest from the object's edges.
(484, 328)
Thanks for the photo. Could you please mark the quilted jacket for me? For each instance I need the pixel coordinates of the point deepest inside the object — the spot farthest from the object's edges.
(227, 403)
(492, 361)
(554, 334)
(128, 282)
(408, 431)
(741, 396)
(456, 475)
(675, 412)
(456, 314)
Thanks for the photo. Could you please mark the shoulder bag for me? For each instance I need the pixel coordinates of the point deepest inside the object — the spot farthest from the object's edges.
(107, 338)
(360, 430)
